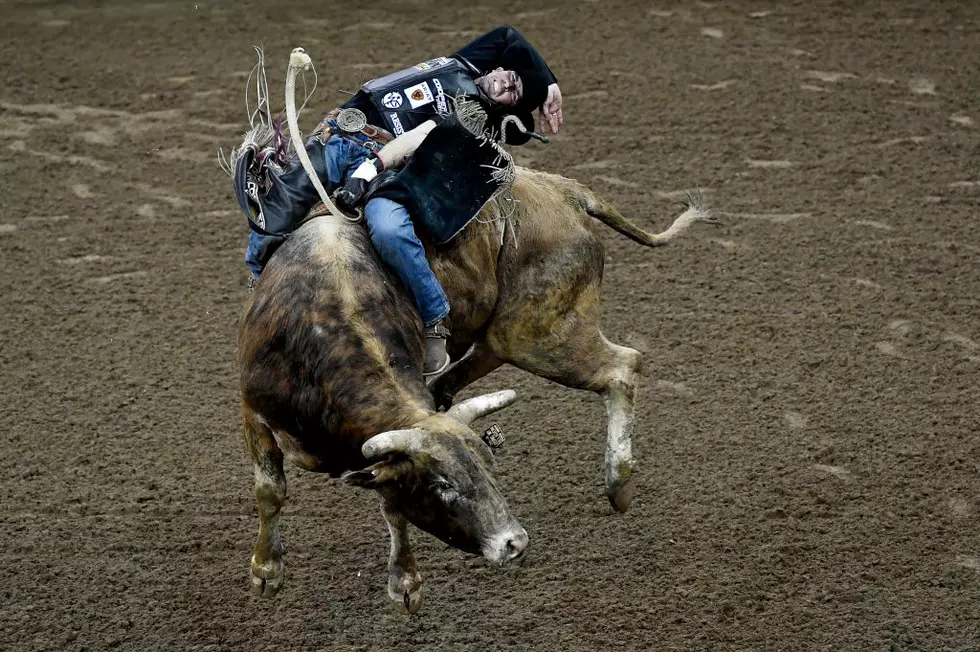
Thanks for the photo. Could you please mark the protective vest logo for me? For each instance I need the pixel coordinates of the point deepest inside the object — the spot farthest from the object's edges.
(392, 100)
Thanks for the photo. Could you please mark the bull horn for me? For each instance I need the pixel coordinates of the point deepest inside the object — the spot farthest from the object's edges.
(393, 441)
(472, 409)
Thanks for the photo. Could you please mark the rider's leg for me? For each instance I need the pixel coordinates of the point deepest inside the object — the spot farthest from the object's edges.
(260, 248)
(340, 157)
(400, 248)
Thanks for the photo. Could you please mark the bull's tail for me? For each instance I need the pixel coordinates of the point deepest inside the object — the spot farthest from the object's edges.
(697, 211)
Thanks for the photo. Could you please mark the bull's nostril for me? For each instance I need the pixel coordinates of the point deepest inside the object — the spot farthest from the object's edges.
(516, 545)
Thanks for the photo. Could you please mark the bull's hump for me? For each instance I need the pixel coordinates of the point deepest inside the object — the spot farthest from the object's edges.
(334, 309)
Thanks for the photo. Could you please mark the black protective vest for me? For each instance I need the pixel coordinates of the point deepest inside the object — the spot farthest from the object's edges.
(407, 98)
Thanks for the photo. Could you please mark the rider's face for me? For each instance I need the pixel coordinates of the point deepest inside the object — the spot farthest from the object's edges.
(502, 86)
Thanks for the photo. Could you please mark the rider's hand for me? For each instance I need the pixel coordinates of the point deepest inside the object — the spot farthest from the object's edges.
(352, 194)
(551, 118)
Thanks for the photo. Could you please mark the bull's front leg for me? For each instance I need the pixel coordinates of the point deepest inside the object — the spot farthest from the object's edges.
(620, 399)
(404, 581)
(270, 493)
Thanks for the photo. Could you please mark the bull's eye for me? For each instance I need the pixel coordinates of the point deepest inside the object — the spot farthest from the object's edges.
(446, 492)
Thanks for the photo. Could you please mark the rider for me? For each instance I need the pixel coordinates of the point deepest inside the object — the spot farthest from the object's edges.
(500, 69)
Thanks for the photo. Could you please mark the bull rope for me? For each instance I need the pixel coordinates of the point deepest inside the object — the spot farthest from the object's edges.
(299, 60)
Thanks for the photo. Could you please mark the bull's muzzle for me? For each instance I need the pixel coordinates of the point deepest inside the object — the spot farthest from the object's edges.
(506, 546)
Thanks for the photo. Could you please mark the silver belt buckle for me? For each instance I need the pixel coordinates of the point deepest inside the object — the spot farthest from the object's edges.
(351, 120)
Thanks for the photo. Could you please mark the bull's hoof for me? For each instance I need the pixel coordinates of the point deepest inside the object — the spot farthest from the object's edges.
(405, 594)
(621, 496)
(620, 488)
(266, 578)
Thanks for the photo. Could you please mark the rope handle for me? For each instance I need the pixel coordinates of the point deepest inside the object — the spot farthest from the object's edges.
(299, 60)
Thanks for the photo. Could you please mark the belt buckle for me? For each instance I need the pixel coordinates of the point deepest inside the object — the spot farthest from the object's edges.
(351, 120)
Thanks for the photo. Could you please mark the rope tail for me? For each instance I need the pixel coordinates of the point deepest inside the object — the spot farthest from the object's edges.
(299, 60)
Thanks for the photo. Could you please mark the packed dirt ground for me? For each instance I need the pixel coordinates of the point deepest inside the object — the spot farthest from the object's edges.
(807, 430)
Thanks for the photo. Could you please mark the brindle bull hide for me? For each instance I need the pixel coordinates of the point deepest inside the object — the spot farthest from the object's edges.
(331, 355)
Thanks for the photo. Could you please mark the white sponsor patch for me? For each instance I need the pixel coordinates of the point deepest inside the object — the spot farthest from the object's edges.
(392, 100)
(419, 95)
(432, 63)
(441, 106)
(396, 124)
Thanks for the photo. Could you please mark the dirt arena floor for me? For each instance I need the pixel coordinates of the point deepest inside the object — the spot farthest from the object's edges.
(808, 423)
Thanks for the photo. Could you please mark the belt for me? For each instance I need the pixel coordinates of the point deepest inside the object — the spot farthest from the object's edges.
(376, 136)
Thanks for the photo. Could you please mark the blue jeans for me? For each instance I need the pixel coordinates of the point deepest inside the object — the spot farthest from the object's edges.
(394, 237)
(391, 232)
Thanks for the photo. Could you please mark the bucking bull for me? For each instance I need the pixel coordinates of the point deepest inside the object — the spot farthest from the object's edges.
(331, 354)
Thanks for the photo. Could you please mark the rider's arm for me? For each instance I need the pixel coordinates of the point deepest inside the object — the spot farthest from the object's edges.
(392, 155)
(503, 47)
(506, 48)
(396, 152)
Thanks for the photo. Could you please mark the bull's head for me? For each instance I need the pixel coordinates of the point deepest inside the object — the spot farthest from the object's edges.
(438, 474)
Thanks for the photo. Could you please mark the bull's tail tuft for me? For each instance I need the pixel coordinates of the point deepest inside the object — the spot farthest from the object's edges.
(697, 211)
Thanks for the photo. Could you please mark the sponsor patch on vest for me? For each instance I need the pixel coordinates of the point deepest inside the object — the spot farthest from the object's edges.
(432, 63)
(441, 107)
(396, 124)
(419, 95)
(392, 100)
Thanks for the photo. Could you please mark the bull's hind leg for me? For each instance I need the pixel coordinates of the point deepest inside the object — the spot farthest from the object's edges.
(270, 492)
(568, 348)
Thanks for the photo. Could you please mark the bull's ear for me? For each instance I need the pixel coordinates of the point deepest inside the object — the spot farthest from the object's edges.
(377, 475)
(364, 478)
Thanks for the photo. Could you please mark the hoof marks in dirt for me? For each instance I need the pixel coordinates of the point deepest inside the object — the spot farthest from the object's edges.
(922, 86)
(118, 277)
(968, 561)
(596, 165)
(863, 282)
(87, 258)
(961, 508)
(881, 226)
(838, 472)
(677, 388)
(769, 165)
(891, 350)
(829, 77)
(713, 87)
(615, 181)
(82, 191)
(795, 420)
(777, 218)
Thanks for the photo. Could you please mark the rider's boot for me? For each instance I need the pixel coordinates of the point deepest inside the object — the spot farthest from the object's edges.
(436, 357)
